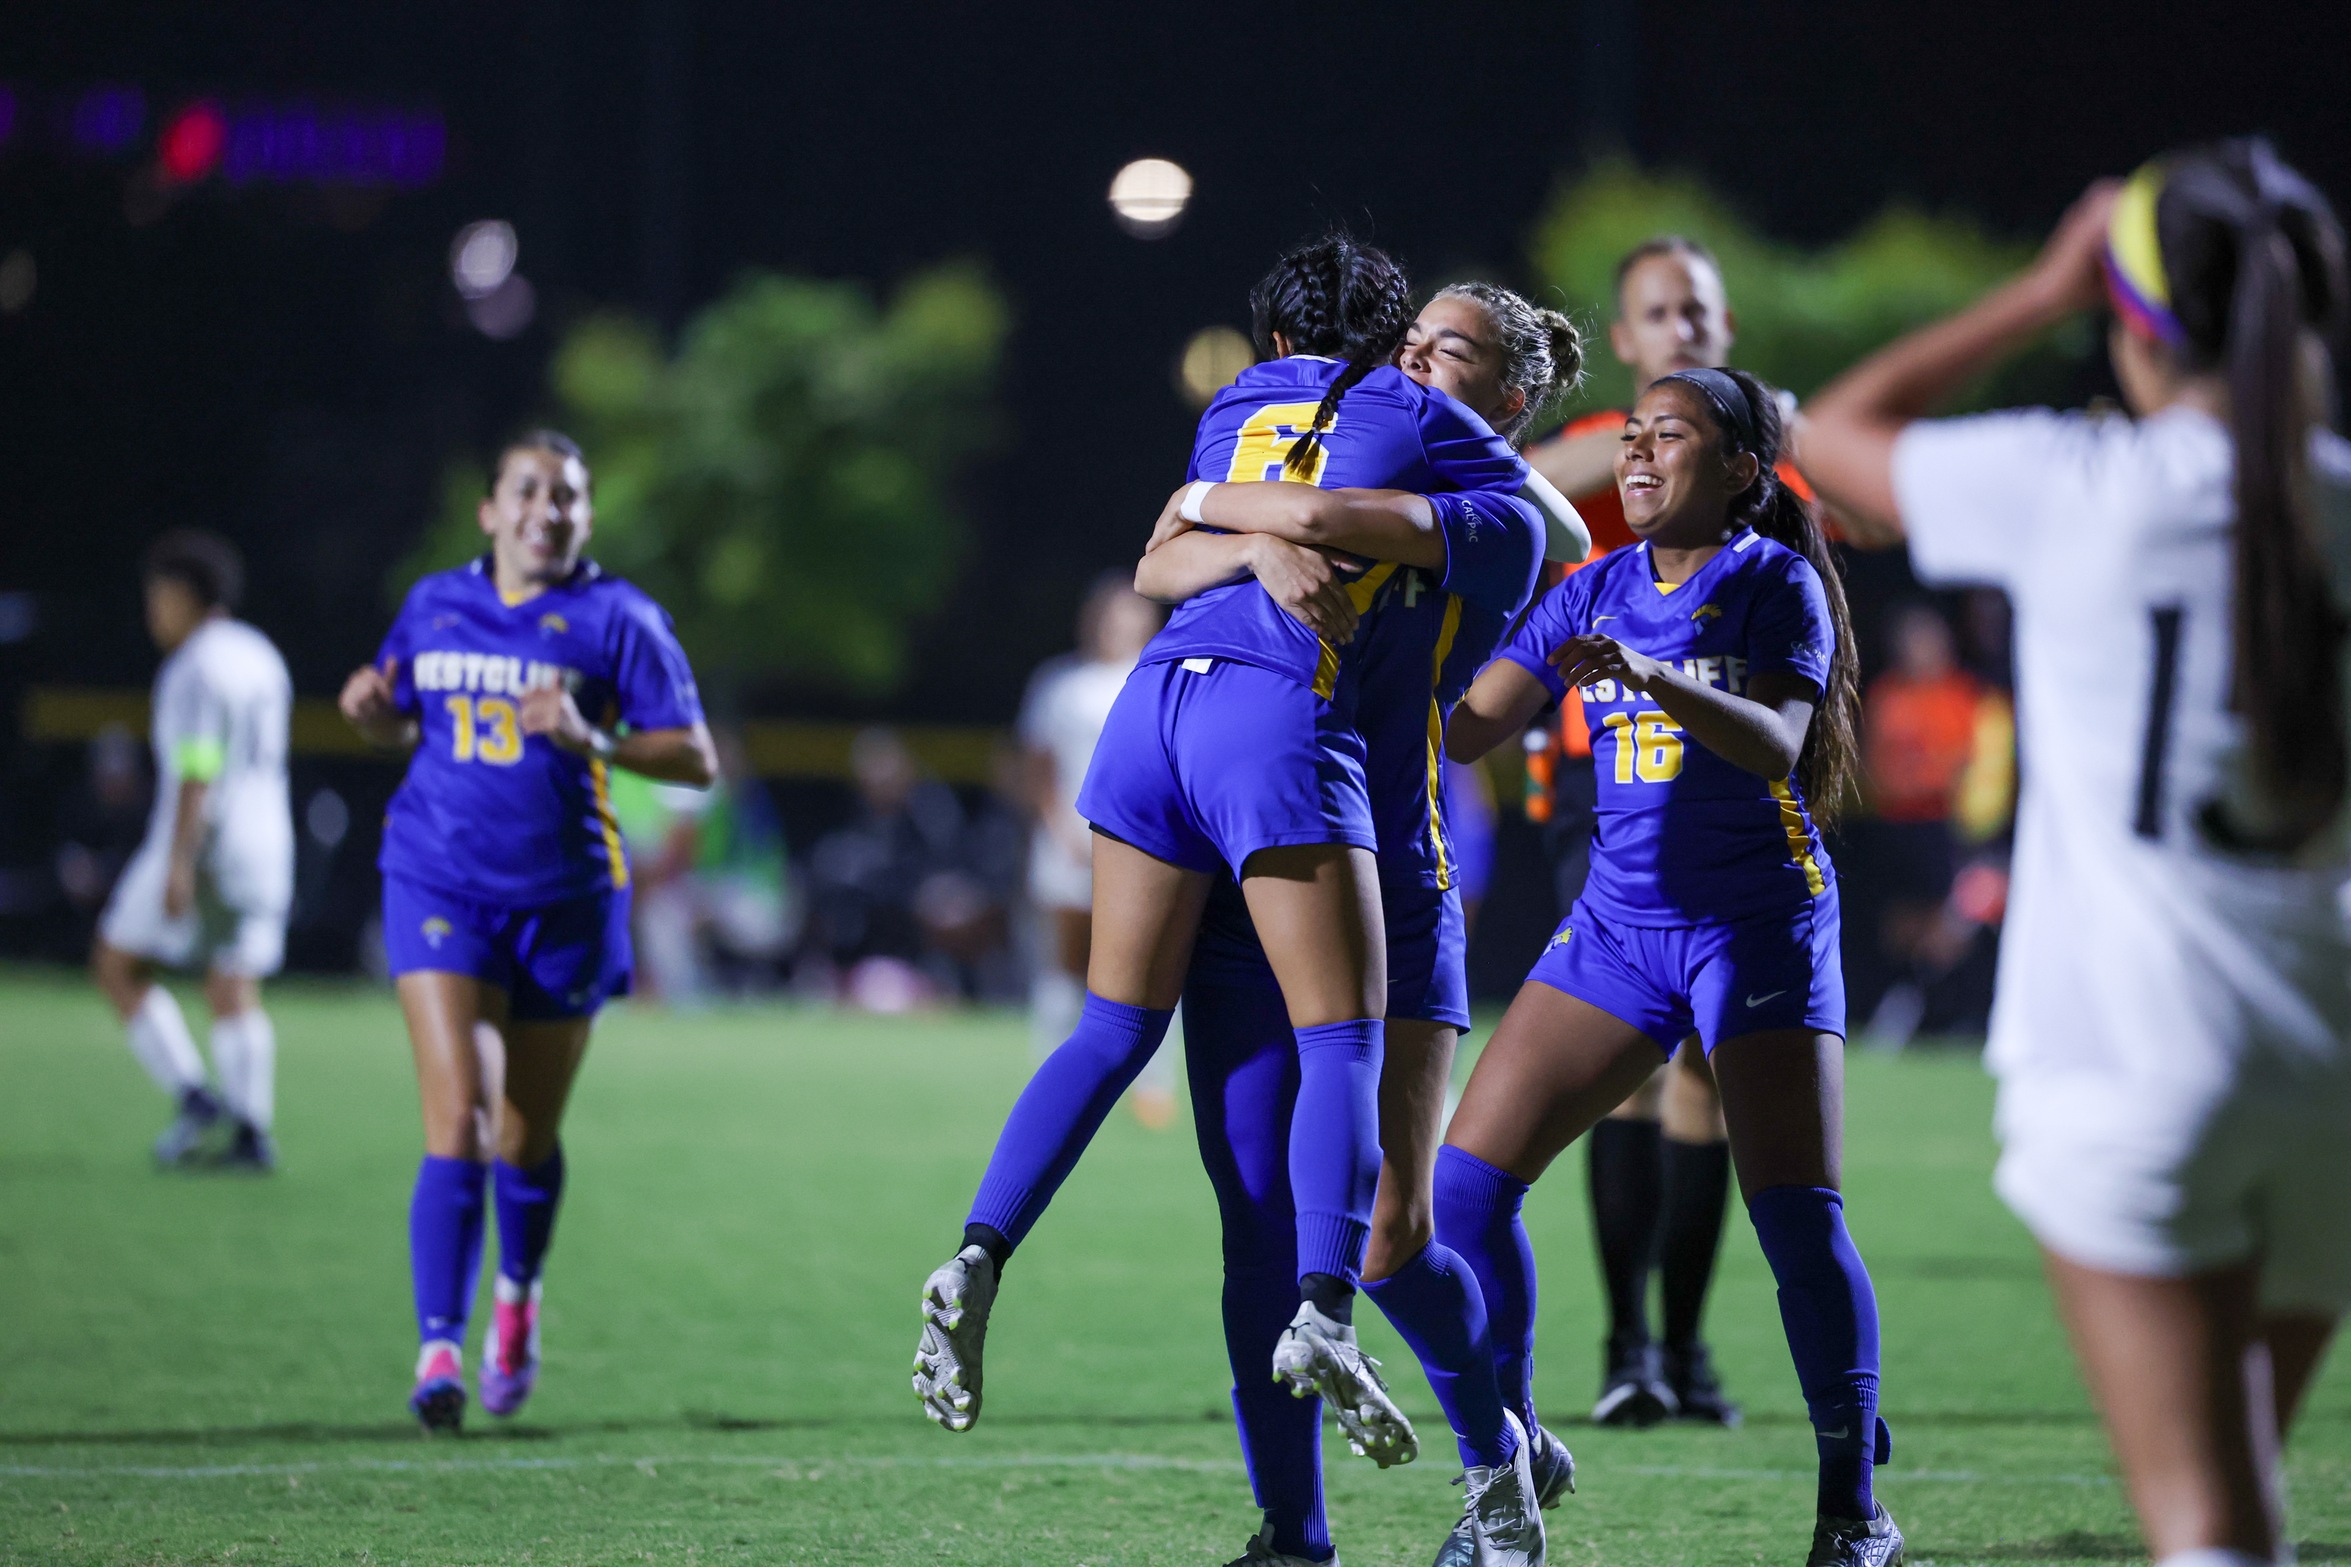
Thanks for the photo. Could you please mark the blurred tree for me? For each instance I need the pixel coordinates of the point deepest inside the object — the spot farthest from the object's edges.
(1803, 315)
(779, 483)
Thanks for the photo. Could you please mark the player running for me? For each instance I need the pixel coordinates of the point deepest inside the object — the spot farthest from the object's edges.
(2172, 1033)
(1232, 749)
(1467, 576)
(1717, 669)
(212, 882)
(506, 891)
(1660, 1168)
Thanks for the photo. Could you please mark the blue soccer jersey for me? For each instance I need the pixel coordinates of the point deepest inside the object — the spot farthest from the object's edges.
(1435, 631)
(486, 811)
(1390, 433)
(1683, 836)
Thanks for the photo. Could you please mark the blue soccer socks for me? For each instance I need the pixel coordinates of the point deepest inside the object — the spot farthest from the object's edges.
(445, 1245)
(1478, 1220)
(526, 1201)
(1059, 1111)
(1436, 1307)
(1335, 1144)
(1831, 1316)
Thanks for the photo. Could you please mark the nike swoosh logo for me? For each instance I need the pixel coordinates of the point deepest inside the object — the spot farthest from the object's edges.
(1596, 619)
(1756, 1001)
(1835, 1436)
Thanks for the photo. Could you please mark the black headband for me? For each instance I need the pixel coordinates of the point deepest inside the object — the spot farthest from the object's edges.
(1732, 408)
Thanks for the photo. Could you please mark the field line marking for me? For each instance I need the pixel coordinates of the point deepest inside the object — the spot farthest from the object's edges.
(801, 1466)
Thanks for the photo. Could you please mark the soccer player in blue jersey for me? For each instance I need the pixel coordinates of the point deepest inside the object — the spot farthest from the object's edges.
(1232, 750)
(1441, 618)
(518, 682)
(1717, 671)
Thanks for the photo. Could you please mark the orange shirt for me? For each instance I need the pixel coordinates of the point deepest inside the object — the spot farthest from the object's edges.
(1918, 737)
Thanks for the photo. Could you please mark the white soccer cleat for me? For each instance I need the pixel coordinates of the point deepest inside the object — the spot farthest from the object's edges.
(955, 1302)
(1318, 1356)
(1500, 1514)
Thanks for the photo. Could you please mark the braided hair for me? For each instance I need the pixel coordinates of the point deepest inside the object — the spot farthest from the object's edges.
(1746, 416)
(2254, 258)
(1339, 298)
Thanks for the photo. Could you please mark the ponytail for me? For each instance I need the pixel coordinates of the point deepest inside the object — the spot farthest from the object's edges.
(2254, 259)
(1339, 298)
(1829, 766)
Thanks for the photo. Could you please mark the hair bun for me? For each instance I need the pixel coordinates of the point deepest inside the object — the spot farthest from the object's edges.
(1567, 347)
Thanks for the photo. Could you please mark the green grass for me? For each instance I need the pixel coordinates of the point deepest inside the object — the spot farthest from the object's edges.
(213, 1369)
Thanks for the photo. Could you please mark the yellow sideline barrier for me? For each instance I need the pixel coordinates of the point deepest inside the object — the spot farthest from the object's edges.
(778, 748)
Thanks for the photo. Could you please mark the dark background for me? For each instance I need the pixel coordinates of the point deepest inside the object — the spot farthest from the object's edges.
(294, 370)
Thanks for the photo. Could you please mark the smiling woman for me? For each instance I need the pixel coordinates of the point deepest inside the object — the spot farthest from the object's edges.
(506, 890)
(1717, 675)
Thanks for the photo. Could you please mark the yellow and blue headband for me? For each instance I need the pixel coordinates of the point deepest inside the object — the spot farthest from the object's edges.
(2135, 279)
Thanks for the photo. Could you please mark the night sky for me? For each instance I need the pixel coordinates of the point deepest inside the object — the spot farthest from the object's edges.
(295, 370)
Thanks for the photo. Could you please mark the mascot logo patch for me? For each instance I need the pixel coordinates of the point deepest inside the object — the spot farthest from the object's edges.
(1704, 610)
(434, 930)
(552, 623)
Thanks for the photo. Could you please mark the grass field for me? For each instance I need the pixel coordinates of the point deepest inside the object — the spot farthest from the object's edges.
(209, 1369)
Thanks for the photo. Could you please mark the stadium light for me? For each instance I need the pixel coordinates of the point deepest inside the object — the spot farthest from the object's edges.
(482, 257)
(1212, 358)
(191, 145)
(1149, 196)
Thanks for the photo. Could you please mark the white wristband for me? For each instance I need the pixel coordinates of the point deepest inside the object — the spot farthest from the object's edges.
(1189, 510)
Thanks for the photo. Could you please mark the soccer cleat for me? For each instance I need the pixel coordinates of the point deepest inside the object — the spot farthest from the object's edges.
(1848, 1542)
(1501, 1522)
(438, 1400)
(955, 1304)
(1316, 1355)
(1552, 1465)
(1697, 1392)
(1262, 1554)
(1633, 1390)
(510, 1362)
(251, 1151)
(180, 1142)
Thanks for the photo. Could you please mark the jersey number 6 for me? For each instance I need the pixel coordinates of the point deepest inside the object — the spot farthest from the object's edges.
(1648, 746)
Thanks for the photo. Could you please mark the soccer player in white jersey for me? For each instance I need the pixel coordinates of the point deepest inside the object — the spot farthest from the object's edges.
(210, 886)
(1061, 718)
(2172, 1033)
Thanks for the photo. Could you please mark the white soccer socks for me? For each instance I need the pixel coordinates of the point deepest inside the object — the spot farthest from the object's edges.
(160, 1039)
(245, 1058)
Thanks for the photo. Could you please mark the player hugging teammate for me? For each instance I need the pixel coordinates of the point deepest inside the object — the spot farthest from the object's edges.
(517, 682)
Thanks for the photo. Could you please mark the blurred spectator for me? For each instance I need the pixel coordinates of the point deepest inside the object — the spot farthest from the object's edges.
(713, 909)
(100, 825)
(903, 909)
(1061, 718)
(1938, 749)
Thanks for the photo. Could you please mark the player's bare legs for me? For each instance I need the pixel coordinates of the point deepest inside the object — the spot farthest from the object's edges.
(1556, 1065)
(1413, 1079)
(455, 1025)
(1783, 1100)
(2197, 1390)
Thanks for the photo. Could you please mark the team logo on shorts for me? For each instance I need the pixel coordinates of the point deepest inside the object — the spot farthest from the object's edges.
(1705, 610)
(434, 929)
(551, 623)
(1559, 938)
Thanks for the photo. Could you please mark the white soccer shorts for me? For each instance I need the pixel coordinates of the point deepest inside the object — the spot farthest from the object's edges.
(249, 943)
(2144, 1178)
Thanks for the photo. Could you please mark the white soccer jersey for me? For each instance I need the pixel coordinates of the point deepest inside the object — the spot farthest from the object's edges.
(1067, 704)
(223, 702)
(2167, 1011)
